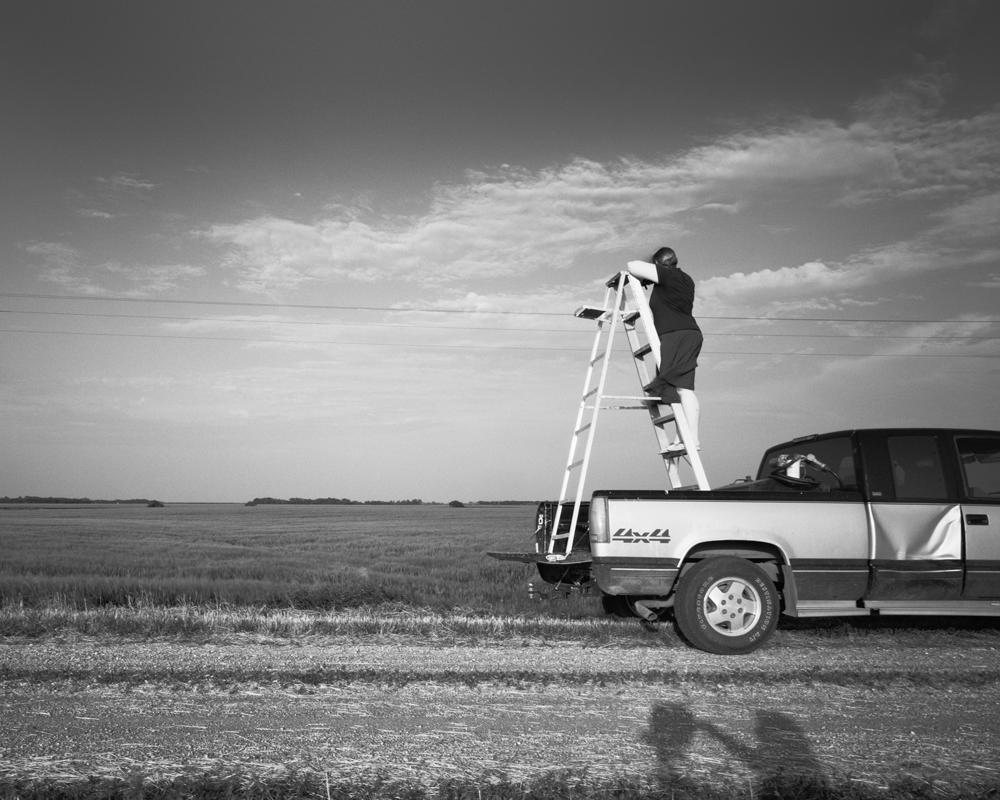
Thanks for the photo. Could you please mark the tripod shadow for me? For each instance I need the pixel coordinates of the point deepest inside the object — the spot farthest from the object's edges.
(779, 753)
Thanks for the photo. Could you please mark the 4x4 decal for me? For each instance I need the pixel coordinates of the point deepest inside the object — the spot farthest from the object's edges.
(629, 536)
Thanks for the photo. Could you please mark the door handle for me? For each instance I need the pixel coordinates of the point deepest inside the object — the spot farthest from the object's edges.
(977, 519)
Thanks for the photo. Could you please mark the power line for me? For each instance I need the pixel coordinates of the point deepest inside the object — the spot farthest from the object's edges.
(421, 326)
(421, 346)
(243, 304)
(437, 310)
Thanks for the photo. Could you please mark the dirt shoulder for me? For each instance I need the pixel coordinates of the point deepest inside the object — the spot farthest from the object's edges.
(868, 711)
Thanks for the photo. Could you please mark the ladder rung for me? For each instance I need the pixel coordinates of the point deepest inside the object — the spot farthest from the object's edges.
(584, 428)
(643, 351)
(630, 317)
(590, 312)
(664, 418)
(591, 393)
(599, 357)
(574, 465)
(632, 398)
(674, 453)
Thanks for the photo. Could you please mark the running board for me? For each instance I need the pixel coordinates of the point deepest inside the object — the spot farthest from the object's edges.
(829, 608)
(955, 608)
(850, 608)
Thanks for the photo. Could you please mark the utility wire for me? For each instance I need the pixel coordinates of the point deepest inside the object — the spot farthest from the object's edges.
(420, 326)
(436, 310)
(421, 346)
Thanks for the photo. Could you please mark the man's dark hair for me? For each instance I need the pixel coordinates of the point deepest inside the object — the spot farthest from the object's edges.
(665, 257)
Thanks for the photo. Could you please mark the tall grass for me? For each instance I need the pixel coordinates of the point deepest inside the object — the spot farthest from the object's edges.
(302, 557)
(555, 785)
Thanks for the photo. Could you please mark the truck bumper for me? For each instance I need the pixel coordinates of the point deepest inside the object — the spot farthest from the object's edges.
(635, 576)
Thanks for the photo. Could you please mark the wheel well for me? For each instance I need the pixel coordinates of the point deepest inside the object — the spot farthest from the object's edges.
(767, 556)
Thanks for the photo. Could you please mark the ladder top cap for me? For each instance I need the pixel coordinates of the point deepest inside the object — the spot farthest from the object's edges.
(590, 312)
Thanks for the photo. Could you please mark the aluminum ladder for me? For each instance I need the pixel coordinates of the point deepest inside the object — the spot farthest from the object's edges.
(626, 306)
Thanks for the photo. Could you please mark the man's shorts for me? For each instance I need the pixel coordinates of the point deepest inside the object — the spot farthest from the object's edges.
(679, 352)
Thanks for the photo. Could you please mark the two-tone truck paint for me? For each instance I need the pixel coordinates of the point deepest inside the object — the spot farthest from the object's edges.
(855, 522)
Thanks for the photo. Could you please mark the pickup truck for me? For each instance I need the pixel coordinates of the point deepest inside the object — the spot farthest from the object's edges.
(855, 522)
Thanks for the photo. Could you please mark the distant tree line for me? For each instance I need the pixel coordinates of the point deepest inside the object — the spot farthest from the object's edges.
(71, 500)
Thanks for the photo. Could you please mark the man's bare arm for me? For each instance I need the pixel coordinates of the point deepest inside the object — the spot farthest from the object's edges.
(643, 270)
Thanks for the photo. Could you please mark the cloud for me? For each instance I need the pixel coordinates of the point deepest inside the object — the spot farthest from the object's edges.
(828, 285)
(898, 151)
(93, 213)
(127, 182)
(65, 266)
(975, 217)
(509, 222)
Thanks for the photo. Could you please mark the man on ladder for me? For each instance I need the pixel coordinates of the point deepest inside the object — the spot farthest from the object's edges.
(672, 302)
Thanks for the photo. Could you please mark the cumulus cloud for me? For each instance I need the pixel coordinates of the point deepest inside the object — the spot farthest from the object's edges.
(828, 285)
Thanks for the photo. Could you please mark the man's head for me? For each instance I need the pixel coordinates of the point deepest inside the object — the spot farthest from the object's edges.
(665, 257)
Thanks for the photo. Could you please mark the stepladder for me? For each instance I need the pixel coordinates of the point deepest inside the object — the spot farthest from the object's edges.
(626, 310)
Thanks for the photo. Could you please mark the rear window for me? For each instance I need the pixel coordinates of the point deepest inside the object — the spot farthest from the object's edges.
(980, 456)
(836, 454)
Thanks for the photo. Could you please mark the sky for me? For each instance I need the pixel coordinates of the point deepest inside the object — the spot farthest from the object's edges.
(333, 249)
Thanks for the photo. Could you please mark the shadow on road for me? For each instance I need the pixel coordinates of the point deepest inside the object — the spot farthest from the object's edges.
(691, 751)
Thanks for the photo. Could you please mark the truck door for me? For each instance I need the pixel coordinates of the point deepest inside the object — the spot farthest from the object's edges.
(916, 521)
(980, 459)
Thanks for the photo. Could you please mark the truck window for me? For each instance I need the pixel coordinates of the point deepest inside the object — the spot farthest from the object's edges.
(917, 473)
(836, 453)
(980, 456)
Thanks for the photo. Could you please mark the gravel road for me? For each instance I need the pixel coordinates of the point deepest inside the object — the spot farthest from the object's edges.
(870, 710)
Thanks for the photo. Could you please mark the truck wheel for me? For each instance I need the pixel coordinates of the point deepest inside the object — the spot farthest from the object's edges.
(726, 605)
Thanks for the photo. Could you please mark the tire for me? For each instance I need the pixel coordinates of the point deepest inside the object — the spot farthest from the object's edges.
(726, 605)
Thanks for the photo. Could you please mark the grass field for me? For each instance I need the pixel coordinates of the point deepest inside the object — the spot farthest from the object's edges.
(303, 557)
(283, 574)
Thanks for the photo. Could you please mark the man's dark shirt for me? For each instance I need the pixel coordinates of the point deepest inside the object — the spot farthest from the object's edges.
(672, 300)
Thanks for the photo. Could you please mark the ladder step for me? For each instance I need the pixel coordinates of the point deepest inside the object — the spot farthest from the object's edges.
(680, 453)
(663, 419)
(643, 351)
(631, 317)
(597, 359)
(590, 312)
(574, 465)
(584, 428)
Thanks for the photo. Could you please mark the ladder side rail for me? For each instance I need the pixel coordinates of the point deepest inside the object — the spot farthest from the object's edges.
(598, 400)
(692, 455)
(640, 301)
(574, 440)
(641, 304)
(653, 406)
(615, 316)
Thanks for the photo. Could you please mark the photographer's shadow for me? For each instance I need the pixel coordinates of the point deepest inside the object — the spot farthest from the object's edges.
(780, 751)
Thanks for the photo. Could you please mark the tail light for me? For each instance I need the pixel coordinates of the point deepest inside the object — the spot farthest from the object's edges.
(599, 521)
